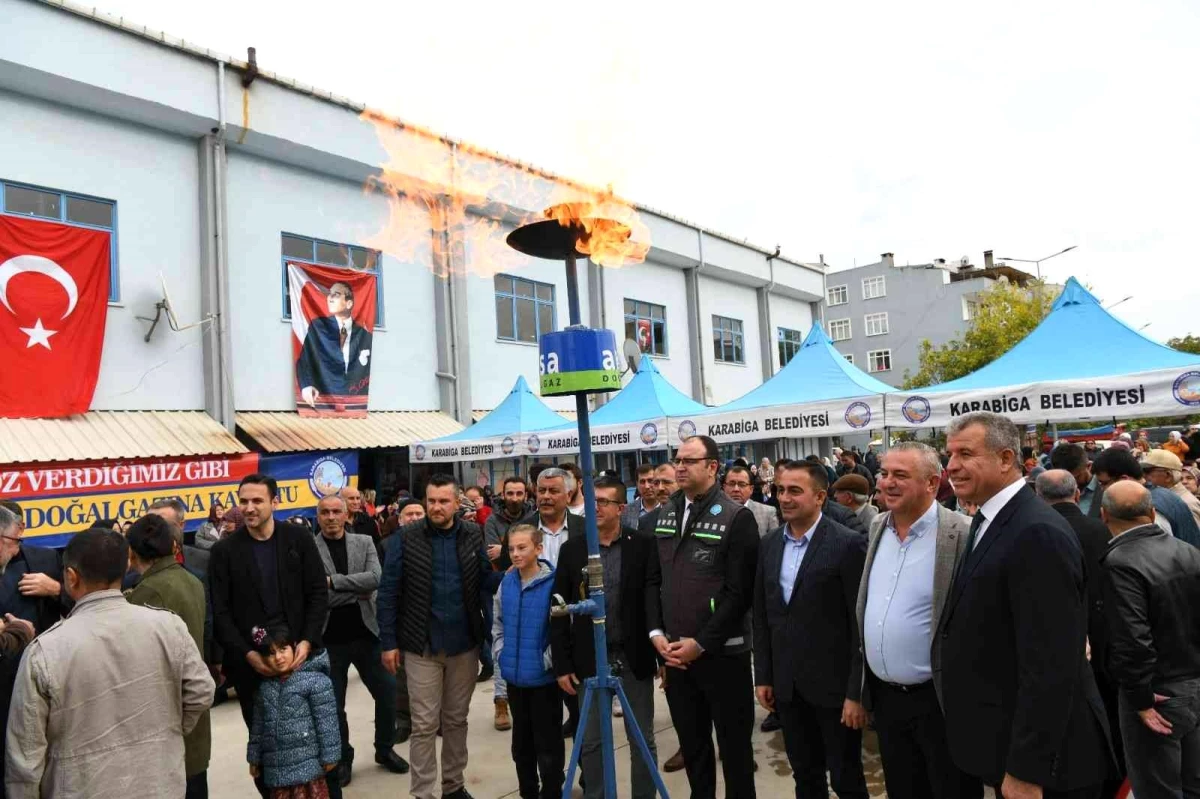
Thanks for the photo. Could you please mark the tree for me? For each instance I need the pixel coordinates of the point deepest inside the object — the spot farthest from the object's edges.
(1005, 313)
(1188, 343)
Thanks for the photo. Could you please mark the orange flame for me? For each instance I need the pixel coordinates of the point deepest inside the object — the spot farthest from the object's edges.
(451, 205)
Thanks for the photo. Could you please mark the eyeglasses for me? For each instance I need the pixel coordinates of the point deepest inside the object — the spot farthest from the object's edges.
(608, 503)
(737, 484)
(16, 538)
(690, 461)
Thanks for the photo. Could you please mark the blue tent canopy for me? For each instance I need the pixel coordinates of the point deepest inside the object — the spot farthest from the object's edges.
(520, 412)
(816, 373)
(1077, 339)
(648, 396)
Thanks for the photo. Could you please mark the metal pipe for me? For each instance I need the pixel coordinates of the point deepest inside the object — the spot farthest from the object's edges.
(221, 251)
(699, 334)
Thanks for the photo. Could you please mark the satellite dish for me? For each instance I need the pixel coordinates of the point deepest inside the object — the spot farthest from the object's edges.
(633, 355)
(965, 260)
(165, 305)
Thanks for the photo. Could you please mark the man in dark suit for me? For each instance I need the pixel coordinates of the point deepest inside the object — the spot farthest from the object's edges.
(31, 587)
(807, 663)
(913, 548)
(265, 574)
(336, 357)
(1060, 488)
(1022, 710)
(632, 576)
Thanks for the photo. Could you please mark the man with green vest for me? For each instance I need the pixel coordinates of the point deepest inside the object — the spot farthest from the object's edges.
(166, 584)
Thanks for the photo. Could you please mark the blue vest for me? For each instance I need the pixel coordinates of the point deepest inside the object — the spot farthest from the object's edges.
(526, 615)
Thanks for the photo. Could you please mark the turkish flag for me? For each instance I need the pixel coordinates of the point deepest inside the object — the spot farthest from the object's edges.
(53, 305)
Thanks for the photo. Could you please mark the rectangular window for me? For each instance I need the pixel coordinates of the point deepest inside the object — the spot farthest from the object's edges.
(849, 358)
(876, 324)
(646, 323)
(970, 309)
(839, 329)
(727, 340)
(839, 295)
(879, 361)
(789, 345)
(524, 309)
(68, 209)
(328, 253)
(874, 287)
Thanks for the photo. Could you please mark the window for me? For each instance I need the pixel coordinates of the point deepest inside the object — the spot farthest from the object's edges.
(838, 295)
(727, 340)
(879, 361)
(849, 358)
(524, 309)
(69, 209)
(789, 345)
(876, 324)
(874, 287)
(327, 253)
(646, 323)
(839, 329)
(970, 309)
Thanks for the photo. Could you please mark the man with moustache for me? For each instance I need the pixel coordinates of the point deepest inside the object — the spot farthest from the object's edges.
(913, 548)
(739, 485)
(1021, 705)
(647, 499)
(807, 662)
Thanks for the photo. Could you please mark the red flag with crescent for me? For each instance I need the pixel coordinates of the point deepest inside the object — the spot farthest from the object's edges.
(53, 305)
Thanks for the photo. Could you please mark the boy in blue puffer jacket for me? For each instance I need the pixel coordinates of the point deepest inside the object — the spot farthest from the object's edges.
(521, 642)
(295, 743)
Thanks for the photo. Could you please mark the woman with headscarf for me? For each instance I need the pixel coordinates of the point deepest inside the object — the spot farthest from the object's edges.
(1176, 445)
(210, 532)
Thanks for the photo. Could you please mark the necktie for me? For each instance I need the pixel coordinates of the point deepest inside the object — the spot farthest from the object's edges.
(342, 336)
(976, 523)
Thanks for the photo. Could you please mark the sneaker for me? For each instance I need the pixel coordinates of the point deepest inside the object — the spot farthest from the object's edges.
(617, 710)
(502, 722)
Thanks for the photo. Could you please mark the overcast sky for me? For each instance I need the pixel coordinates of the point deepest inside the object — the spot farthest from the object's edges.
(927, 129)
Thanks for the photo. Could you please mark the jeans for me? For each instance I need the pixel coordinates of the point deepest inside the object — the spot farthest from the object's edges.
(1164, 765)
(537, 742)
(364, 654)
(640, 694)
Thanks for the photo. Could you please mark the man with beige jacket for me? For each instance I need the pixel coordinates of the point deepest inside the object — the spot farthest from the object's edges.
(105, 692)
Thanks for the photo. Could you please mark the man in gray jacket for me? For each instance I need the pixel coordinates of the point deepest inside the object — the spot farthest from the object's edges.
(351, 632)
(76, 733)
(739, 485)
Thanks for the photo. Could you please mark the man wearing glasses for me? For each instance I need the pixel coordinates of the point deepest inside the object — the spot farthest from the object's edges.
(30, 577)
(336, 358)
(739, 486)
(708, 550)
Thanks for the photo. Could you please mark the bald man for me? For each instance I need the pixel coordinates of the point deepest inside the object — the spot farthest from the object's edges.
(1152, 604)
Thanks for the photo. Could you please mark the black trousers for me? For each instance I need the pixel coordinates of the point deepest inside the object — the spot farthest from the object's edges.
(913, 747)
(715, 690)
(246, 681)
(364, 655)
(816, 740)
(537, 742)
(197, 786)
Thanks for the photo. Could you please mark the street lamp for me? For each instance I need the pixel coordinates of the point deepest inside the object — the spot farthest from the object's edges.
(1038, 262)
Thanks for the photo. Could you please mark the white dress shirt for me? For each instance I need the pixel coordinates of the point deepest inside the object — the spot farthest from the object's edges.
(994, 505)
(552, 540)
(344, 325)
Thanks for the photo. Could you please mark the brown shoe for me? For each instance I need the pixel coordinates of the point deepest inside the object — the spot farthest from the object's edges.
(503, 722)
(674, 762)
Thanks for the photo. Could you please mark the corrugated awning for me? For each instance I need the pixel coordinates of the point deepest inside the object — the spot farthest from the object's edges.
(287, 431)
(104, 435)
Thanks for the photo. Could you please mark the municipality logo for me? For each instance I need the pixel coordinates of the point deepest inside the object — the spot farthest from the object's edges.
(687, 429)
(1186, 389)
(508, 445)
(534, 443)
(328, 476)
(858, 415)
(916, 409)
(649, 433)
(419, 452)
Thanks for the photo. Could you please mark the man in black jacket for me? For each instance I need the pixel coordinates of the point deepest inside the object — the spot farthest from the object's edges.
(265, 574)
(1022, 710)
(631, 579)
(1152, 601)
(708, 551)
(31, 586)
(358, 520)
(807, 662)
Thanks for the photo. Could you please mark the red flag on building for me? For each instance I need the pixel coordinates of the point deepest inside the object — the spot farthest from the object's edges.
(333, 317)
(53, 305)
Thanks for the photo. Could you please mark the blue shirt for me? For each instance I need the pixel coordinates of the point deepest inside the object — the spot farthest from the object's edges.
(1183, 523)
(1087, 494)
(898, 619)
(794, 551)
(448, 630)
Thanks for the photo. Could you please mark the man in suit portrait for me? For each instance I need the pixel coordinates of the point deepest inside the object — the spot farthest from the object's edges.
(1022, 710)
(336, 358)
(807, 662)
(912, 550)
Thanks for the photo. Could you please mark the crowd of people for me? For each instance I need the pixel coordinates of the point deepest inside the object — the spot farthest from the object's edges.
(1033, 628)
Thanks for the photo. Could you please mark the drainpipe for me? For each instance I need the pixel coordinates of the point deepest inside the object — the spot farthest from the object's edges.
(764, 320)
(597, 317)
(692, 287)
